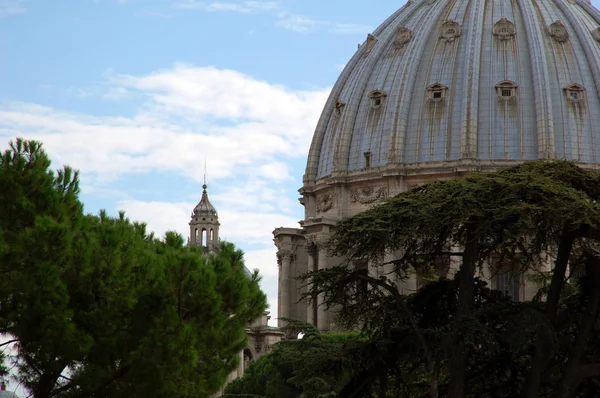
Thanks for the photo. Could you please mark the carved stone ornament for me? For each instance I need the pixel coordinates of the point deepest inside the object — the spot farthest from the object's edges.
(596, 34)
(558, 31)
(368, 195)
(285, 256)
(450, 31)
(504, 30)
(325, 202)
(371, 40)
(403, 36)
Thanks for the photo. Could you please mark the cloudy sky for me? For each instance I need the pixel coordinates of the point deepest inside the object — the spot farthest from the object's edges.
(136, 94)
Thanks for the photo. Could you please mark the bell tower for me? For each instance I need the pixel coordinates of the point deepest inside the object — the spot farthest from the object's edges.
(204, 225)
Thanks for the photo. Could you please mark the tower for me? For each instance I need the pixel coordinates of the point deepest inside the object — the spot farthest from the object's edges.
(204, 225)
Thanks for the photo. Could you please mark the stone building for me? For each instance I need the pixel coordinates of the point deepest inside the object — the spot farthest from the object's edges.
(204, 232)
(440, 89)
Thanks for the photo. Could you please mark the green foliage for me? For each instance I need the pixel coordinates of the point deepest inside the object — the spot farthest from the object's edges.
(312, 367)
(99, 306)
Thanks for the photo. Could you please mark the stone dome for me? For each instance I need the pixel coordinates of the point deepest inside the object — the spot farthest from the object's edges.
(443, 86)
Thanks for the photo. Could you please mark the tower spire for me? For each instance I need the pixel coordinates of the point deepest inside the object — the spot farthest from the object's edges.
(204, 186)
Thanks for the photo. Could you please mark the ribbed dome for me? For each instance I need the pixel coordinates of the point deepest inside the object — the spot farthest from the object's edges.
(448, 82)
(204, 207)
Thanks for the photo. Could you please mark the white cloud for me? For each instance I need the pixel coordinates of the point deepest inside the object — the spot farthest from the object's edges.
(11, 7)
(303, 24)
(350, 29)
(243, 126)
(298, 23)
(245, 7)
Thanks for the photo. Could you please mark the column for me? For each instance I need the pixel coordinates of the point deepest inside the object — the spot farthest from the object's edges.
(310, 311)
(322, 313)
(285, 295)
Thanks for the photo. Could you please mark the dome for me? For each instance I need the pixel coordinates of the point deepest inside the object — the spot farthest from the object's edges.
(445, 85)
(204, 207)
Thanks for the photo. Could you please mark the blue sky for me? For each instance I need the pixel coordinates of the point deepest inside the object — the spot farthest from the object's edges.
(137, 93)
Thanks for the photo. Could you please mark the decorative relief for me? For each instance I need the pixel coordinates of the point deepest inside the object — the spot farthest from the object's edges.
(403, 36)
(368, 195)
(596, 34)
(575, 93)
(558, 31)
(504, 30)
(325, 202)
(450, 31)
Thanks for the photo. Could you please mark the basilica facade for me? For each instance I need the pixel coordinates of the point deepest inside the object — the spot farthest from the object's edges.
(440, 89)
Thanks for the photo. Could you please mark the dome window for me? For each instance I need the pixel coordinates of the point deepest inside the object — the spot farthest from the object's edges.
(596, 34)
(504, 30)
(575, 92)
(558, 31)
(450, 31)
(506, 90)
(377, 97)
(436, 92)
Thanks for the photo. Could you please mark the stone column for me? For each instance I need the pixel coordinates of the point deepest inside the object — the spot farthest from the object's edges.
(311, 250)
(285, 295)
(322, 314)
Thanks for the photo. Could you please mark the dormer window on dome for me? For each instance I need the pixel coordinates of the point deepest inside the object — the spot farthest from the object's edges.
(436, 92)
(558, 31)
(575, 92)
(403, 36)
(504, 30)
(506, 90)
(377, 98)
(596, 34)
(450, 31)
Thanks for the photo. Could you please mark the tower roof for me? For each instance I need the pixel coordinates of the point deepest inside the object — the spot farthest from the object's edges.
(204, 206)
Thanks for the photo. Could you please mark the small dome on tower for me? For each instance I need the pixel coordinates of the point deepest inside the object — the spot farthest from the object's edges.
(204, 206)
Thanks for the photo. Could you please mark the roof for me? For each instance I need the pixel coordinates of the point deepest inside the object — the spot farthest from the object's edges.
(204, 206)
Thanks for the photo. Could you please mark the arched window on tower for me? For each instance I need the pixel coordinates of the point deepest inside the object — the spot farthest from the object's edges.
(204, 240)
(196, 235)
(212, 234)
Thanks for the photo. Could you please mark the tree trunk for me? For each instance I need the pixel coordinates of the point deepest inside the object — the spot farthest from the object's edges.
(541, 354)
(458, 354)
(571, 377)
